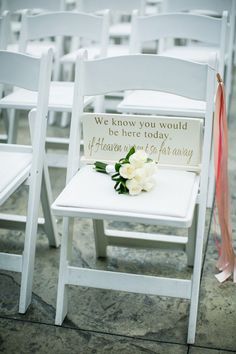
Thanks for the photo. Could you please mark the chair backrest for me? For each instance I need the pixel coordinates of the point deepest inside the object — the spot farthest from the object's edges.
(66, 23)
(182, 26)
(214, 6)
(15, 5)
(122, 6)
(210, 7)
(140, 72)
(33, 74)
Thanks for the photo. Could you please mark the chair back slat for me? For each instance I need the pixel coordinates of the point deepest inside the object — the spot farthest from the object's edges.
(215, 6)
(184, 77)
(13, 67)
(15, 5)
(63, 24)
(180, 25)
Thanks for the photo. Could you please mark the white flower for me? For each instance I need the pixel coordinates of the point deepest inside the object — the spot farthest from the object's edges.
(148, 184)
(138, 159)
(150, 168)
(133, 186)
(127, 171)
(140, 174)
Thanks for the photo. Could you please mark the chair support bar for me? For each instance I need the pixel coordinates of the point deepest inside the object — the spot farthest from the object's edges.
(145, 240)
(143, 284)
(11, 262)
(16, 222)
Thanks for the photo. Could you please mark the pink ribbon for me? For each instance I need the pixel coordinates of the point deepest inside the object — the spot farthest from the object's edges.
(227, 258)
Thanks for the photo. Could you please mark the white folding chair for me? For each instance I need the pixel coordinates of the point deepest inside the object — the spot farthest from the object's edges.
(174, 25)
(119, 33)
(16, 7)
(56, 24)
(183, 26)
(119, 30)
(26, 164)
(172, 203)
(198, 50)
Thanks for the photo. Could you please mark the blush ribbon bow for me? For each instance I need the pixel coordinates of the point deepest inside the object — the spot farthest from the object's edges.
(227, 258)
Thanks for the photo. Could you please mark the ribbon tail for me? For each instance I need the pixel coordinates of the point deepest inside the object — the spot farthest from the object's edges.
(227, 259)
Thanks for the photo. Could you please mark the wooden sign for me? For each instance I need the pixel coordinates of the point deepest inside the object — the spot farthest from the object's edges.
(167, 140)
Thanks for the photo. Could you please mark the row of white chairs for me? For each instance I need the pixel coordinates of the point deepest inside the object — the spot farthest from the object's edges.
(194, 82)
(144, 28)
(191, 52)
(179, 200)
(50, 24)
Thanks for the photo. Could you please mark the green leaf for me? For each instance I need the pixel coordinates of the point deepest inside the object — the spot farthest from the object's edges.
(115, 177)
(117, 166)
(131, 152)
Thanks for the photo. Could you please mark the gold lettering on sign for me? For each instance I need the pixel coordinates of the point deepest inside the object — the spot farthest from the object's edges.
(98, 144)
(166, 140)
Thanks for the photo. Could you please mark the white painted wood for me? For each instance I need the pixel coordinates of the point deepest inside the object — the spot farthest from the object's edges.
(4, 29)
(100, 238)
(34, 74)
(98, 77)
(14, 177)
(57, 25)
(212, 8)
(129, 282)
(60, 98)
(62, 299)
(11, 262)
(146, 79)
(16, 5)
(211, 31)
(145, 240)
(17, 222)
(190, 246)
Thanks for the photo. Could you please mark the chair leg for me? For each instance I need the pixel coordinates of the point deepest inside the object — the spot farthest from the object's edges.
(100, 238)
(12, 126)
(65, 119)
(46, 200)
(30, 242)
(5, 120)
(211, 183)
(196, 278)
(190, 247)
(65, 256)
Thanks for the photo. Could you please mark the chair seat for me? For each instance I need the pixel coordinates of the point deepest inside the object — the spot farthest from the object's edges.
(94, 52)
(173, 197)
(60, 98)
(196, 52)
(34, 48)
(15, 165)
(153, 102)
(120, 30)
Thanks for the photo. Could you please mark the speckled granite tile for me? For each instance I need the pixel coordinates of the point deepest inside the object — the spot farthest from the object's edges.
(216, 325)
(208, 351)
(31, 338)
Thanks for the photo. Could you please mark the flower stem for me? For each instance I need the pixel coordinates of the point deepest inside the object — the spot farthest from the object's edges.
(100, 166)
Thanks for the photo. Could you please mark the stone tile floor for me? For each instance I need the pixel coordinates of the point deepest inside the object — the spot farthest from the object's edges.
(101, 321)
